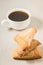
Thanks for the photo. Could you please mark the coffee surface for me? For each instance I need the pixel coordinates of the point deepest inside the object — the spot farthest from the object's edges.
(18, 16)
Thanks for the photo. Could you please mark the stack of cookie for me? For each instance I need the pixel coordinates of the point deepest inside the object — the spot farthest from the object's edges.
(27, 45)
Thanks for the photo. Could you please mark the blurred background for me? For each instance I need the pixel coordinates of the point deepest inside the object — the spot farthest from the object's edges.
(35, 7)
(6, 37)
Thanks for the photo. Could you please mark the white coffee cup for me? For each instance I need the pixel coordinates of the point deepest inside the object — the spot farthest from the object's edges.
(17, 25)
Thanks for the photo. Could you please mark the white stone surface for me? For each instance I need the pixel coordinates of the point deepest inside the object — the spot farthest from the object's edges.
(6, 36)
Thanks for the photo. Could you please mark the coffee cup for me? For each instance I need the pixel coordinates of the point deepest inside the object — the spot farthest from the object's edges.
(17, 18)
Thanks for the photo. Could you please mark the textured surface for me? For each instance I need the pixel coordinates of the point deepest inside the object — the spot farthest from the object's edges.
(6, 36)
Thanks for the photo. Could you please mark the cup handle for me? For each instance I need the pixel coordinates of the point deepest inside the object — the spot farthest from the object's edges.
(5, 23)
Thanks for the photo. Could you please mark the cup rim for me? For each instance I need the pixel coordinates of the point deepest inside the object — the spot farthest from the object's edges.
(19, 9)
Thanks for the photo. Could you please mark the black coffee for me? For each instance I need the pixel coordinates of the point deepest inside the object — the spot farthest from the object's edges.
(18, 16)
